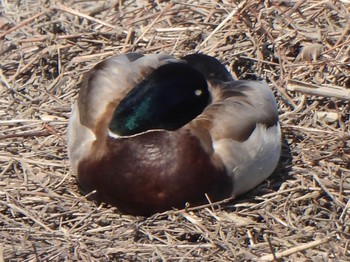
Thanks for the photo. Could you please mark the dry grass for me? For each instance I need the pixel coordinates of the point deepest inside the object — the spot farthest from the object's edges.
(300, 47)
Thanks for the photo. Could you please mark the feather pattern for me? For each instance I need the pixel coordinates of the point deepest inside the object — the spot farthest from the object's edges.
(231, 147)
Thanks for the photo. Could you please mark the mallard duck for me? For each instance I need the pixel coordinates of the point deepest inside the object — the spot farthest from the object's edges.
(152, 132)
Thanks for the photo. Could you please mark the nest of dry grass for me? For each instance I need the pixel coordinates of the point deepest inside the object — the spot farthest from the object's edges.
(300, 47)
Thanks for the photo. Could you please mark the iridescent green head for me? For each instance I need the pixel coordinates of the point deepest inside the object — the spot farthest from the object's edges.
(170, 97)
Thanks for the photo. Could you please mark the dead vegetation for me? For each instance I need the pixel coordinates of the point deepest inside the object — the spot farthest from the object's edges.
(300, 47)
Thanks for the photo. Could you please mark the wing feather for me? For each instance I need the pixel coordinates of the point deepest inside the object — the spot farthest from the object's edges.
(242, 122)
(236, 109)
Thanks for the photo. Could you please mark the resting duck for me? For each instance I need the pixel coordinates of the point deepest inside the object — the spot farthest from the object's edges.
(152, 132)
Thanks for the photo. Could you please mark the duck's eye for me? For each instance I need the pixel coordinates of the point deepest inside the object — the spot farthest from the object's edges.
(198, 92)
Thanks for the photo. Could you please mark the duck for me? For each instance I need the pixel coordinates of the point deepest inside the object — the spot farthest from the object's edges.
(152, 132)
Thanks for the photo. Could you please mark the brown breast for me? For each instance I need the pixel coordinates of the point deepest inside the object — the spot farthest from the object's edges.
(154, 172)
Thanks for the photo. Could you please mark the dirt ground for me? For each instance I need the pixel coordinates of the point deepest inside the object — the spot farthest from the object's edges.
(300, 47)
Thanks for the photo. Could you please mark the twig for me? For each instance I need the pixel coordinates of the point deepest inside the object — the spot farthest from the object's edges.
(77, 13)
(26, 134)
(161, 13)
(23, 23)
(230, 15)
(325, 189)
(298, 86)
(27, 214)
(278, 255)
